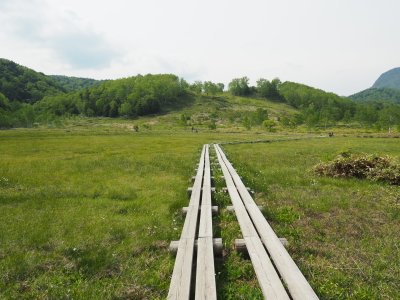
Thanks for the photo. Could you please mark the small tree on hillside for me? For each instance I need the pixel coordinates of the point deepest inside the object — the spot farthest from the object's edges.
(239, 86)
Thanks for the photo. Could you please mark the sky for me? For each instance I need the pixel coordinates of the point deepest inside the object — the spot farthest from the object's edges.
(340, 46)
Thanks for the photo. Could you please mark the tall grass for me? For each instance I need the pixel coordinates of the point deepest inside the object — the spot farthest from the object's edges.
(343, 233)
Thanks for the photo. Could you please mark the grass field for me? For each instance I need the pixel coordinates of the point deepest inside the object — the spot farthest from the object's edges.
(87, 212)
(343, 233)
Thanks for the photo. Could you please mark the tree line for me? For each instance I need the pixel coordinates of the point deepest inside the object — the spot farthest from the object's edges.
(317, 107)
(27, 97)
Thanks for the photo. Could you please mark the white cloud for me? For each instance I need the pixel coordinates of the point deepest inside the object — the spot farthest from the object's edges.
(340, 46)
(62, 34)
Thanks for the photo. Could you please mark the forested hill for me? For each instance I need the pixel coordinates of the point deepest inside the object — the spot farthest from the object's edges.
(28, 97)
(71, 84)
(19, 83)
(378, 94)
(129, 97)
(386, 88)
(389, 79)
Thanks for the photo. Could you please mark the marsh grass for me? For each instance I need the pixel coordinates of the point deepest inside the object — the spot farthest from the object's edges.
(235, 275)
(90, 216)
(88, 211)
(343, 233)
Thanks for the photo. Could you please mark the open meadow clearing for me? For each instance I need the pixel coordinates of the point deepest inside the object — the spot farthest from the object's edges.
(90, 214)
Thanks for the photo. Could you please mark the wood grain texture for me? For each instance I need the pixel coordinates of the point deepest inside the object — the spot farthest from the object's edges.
(205, 272)
(267, 276)
(297, 284)
(182, 273)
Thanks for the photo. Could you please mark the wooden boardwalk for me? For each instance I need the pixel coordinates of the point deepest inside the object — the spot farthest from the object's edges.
(277, 274)
(255, 228)
(200, 200)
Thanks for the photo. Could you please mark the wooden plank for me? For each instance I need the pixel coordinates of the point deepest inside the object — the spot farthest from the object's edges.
(267, 276)
(246, 226)
(182, 273)
(269, 281)
(297, 284)
(205, 228)
(205, 272)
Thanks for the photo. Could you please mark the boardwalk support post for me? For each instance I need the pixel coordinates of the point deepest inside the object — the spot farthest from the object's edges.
(217, 246)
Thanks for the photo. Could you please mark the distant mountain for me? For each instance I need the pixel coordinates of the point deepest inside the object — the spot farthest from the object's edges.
(389, 79)
(19, 83)
(386, 88)
(71, 84)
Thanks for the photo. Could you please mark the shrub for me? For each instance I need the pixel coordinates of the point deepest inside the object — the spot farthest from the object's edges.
(362, 166)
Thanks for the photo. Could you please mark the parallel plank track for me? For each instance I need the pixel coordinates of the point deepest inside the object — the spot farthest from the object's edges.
(205, 272)
(298, 286)
(267, 276)
(182, 273)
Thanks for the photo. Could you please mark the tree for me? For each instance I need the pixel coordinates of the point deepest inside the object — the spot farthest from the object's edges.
(239, 86)
(197, 87)
(259, 116)
(268, 89)
(4, 102)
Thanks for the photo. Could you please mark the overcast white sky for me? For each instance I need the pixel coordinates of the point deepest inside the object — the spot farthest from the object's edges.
(340, 46)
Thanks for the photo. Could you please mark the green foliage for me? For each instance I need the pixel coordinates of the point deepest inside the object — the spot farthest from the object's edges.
(71, 84)
(207, 87)
(269, 90)
(362, 166)
(389, 79)
(318, 107)
(239, 86)
(259, 116)
(377, 94)
(129, 97)
(292, 121)
(19, 83)
(212, 125)
(247, 122)
(196, 87)
(211, 88)
(270, 125)
(4, 102)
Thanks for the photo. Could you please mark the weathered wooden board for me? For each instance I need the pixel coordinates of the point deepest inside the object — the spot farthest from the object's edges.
(182, 273)
(267, 276)
(297, 284)
(205, 272)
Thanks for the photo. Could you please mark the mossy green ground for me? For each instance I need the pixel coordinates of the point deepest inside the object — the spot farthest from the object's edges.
(87, 212)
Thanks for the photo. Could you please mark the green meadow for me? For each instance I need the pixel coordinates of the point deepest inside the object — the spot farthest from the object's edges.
(88, 211)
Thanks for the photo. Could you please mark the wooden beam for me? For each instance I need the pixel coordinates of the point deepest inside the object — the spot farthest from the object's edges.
(182, 273)
(297, 284)
(217, 246)
(205, 271)
(268, 278)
